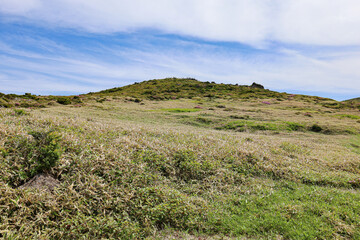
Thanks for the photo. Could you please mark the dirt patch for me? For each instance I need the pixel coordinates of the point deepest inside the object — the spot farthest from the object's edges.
(41, 181)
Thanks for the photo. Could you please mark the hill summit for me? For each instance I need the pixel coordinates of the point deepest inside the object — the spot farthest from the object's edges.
(174, 88)
(171, 89)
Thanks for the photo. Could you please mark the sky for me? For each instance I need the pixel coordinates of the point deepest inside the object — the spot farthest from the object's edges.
(66, 47)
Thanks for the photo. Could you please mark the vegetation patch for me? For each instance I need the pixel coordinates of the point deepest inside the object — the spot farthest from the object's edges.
(347, 116)
(354, 144)
(31, 155)
(315, 128)
(20, 112)
(63, 100)
(294, 126)
(181, 110)
(290, 211)
(243, 125)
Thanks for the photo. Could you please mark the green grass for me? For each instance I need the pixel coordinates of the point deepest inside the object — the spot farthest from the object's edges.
(354, 144)
(348, 116)
(180, 110)
(137, 169)
(292, 211)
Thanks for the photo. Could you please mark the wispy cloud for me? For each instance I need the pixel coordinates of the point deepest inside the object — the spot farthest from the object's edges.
(319, 22)
(75, 46)
(72, 71)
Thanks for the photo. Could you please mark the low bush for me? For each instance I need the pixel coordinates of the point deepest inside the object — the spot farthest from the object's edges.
(63, 100)
(31, 155)
(315, 128)
(293, 126)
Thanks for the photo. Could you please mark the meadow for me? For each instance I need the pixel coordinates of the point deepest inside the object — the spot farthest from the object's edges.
(230, 163)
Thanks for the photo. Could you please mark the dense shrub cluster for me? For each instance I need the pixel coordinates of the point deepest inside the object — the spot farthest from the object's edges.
(33, 154)
(64, 100)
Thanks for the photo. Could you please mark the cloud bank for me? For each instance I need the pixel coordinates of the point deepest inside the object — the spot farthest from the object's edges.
(254, 22)
(77, 46)
(68, 69)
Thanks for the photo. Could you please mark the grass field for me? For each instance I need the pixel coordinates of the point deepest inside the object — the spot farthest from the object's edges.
(183, 168)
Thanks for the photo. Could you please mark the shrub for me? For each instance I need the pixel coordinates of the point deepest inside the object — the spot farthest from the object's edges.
(30, 96)
(101, 100)
(5, 105)
(315, 128)
(64, 100)
(293, 126)
(34, 155)
(77, 99)
(25, 105)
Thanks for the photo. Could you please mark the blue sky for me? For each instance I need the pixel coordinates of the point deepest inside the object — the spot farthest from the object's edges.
(77, 46)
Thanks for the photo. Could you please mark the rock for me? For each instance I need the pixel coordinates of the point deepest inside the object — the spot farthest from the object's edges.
(42, 181)
(256, 85)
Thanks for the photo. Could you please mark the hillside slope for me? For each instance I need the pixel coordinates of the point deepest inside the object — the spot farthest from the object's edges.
(175, 88)
(122, 165)
(353, 100)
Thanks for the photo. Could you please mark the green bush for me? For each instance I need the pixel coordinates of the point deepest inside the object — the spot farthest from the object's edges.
(33, 155)
(101, 100)
(4, 103)
(293, 126)
(64, 100)
(315, 128)
(77, 99)
(25, 105)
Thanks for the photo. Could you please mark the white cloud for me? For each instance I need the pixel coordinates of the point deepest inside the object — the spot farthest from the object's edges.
(47, 64)
(19, 7)
(78, 72)
(322, 22)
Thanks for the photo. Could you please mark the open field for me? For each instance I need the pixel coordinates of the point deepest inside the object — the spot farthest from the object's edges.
(251, 168)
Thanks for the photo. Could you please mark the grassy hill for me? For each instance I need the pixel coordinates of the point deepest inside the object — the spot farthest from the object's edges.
(166, 159)
(353, 100)
(170, 89)
(174, 88)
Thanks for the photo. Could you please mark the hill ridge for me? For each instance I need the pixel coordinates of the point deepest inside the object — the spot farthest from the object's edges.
(173, 88)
